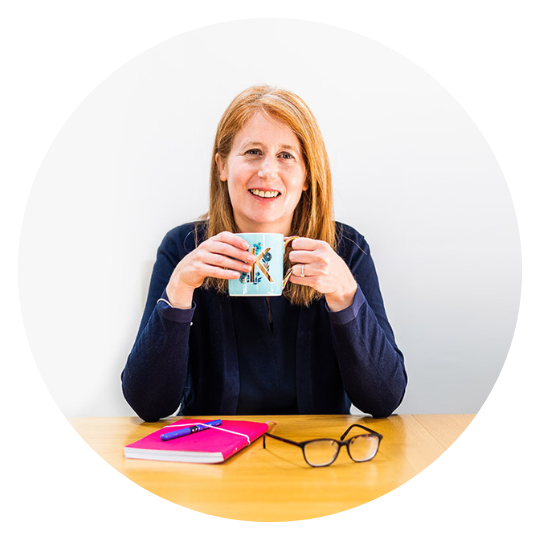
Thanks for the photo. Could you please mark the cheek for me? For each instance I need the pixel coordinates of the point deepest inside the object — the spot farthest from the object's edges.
(241, 173)
(300, 185)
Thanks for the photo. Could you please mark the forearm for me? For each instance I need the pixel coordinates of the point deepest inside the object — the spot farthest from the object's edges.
(155, 374)
(371, 367)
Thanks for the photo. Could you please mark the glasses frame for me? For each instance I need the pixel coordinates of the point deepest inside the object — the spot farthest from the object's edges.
(340, 443)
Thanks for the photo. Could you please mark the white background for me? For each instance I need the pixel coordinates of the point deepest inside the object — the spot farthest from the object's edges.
(410, 169)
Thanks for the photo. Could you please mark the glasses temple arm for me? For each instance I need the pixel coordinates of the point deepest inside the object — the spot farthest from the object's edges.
(360, 426)
(279, 439)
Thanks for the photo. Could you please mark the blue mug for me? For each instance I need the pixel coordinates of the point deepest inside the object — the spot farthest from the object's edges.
(266, 276)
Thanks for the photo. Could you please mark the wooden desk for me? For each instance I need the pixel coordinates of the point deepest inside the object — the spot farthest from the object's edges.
(276, 484)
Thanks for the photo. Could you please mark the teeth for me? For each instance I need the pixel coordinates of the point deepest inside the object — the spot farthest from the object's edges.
(266, 194)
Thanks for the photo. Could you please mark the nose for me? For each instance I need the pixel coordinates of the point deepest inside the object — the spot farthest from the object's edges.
(269, 168)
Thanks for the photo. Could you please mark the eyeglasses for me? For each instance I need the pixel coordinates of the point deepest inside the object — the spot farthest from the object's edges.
(323, 452)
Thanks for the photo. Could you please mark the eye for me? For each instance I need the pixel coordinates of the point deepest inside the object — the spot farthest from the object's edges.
(253, 152)
(286, 155)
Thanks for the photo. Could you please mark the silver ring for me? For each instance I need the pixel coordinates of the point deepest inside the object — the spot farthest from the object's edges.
(302, 274)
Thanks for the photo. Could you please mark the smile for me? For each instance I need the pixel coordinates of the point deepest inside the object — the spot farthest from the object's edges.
(265, 194)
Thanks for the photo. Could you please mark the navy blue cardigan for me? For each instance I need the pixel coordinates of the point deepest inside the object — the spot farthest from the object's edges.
(189, 357)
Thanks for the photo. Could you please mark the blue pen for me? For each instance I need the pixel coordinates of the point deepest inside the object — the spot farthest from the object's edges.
(189, 430)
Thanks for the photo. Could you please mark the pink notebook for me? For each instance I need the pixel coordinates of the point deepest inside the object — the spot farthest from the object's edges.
(212, 445)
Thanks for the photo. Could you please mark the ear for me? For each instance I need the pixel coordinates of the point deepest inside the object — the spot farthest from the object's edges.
(222, 168)
(305, 187)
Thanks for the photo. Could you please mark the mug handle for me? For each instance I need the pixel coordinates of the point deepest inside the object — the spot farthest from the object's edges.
(289, 273)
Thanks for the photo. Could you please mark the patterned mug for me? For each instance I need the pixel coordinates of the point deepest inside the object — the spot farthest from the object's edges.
(266, 276)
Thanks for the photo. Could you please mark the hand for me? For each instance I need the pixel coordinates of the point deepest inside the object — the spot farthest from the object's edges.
(223, 256)
(324, 270)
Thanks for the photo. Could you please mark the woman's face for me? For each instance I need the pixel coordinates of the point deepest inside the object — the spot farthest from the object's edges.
(266, 175)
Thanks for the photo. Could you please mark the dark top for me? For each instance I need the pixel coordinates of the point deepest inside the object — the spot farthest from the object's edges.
(266, 338)
(197, 360)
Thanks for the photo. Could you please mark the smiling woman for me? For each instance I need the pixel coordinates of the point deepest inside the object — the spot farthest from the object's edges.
(269, 140)
(322, 345)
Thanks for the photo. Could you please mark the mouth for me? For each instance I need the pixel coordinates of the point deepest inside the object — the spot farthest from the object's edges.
(265, 194)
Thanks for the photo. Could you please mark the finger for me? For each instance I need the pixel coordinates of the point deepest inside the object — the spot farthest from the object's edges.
(230, 238)
(303, 256)
(310, 270)
(228, 250)
(307, 281)
(222, 261)
(220, 273)
(307, 244)
(312, 277)
(288, 240)
(297, 270)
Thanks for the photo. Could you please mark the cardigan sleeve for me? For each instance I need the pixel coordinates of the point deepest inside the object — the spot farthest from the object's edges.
(155, 373)
(372, 367)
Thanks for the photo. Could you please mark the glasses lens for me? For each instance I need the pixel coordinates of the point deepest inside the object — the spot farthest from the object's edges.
(363, 447)
(321, 452)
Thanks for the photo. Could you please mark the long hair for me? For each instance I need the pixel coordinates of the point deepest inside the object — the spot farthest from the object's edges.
(314, 214)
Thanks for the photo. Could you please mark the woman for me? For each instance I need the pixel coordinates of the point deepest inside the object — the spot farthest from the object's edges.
(326, 342)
